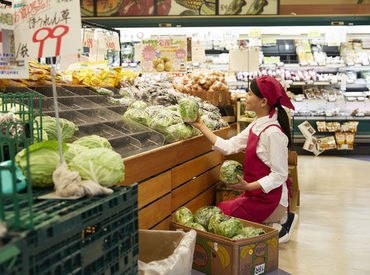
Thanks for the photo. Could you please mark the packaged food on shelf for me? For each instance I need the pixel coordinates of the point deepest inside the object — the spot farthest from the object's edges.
(306, 129)
(349, 126)
(332, 126)
(326, 143)
(321, 126)
(340, 138)
(350, 139)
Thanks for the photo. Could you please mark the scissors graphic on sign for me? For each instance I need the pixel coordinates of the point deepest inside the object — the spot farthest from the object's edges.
(50, 34)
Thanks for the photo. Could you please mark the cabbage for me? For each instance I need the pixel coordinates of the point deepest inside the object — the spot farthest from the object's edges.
(229, 171)
(229, 227)
(188, 109)
(44, 158)
(73, 150)
(184, 216)
(138, 105)
(196, 226)
(249, 232)
(174, 108)
(178, 132)
(49, 125)
(93, 141)
(214, 221)
(153, 110)
(138, 115)
(101, 165)
(204, 214)
(161, 121)
(211, 124)
(37, 138)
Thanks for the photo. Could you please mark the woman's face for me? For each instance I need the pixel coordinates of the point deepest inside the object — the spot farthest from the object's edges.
(253, 102)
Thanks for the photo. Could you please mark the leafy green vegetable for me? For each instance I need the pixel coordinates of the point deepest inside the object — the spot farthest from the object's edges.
(93, 141)
(73, 150)
(37, 138)
(229, 227)
(229, 171)
(44, 158)
(184, 216)
(178, 132)
(49, 125)
(204, 214)
(211, 124)
(214, 221)
(249, 232)
(155, 109)
(138, 105)
(101, 165)
(174, 108)
(138, 115)
(161, 121)
(188, 109)
(196, 226)
(102, 91)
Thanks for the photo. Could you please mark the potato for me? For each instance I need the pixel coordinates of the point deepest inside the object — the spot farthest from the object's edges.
(168, 66)
(160, 67)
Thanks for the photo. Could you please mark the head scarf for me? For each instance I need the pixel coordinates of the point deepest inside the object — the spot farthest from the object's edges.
(274, 92)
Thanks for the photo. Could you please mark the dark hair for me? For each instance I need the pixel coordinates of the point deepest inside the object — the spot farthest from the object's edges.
(282, 115)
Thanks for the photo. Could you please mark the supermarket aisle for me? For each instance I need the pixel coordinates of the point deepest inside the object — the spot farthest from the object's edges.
(332, 235)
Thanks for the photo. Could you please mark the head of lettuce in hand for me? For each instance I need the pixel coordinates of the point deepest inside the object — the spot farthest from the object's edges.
(188, 109)
(229, 171)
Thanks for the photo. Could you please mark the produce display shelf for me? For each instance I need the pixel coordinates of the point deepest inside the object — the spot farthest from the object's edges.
(97, 235)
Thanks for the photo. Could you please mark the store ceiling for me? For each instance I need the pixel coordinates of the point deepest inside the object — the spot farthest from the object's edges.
(225, 21)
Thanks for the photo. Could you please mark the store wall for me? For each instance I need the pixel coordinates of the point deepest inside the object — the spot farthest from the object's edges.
(306, 7)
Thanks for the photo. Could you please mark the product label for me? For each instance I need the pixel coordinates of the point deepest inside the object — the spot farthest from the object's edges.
(260, 269)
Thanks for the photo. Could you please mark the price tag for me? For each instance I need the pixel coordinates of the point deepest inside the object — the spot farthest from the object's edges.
(260, 269)
(314, 33)
(255, 32)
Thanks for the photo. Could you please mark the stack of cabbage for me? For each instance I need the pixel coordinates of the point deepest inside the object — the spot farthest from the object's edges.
(171, 120)
(211, 219)
(91, 156)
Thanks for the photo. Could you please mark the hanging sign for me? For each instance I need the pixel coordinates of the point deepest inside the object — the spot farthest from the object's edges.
(88, 38)
(112, 41)
(13, 62)
(46, 28)
(164, 54)
(198, 53)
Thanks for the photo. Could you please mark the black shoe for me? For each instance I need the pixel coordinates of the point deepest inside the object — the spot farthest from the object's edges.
(290, 223)
(283, 235)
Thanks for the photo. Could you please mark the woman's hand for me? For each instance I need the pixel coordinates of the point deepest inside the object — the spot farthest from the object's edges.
(198, 123)
(241, 185)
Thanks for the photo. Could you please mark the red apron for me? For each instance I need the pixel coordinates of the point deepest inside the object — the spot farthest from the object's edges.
(256, 205)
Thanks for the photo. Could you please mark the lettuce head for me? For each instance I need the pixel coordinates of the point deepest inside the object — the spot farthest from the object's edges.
(229, 171)
(188, 109)
(93, 141)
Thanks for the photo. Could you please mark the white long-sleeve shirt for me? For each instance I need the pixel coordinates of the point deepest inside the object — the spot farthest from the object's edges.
(272, 149)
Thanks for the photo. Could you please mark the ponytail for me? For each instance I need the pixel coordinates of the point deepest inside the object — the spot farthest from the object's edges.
(283, 120)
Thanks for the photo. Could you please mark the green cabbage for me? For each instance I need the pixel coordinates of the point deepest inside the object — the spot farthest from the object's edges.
(102, 91)
(37, 138)
(249, 232)
(49, 125)
(174, 108)
(178, 132)
(229, 171)
(44, 158)
(204, 214)
(155, 109)
(138, 115)
(93, 141)
(229, 227)
(161, 121)
(101, 165)
(73, 150)
(184, 216)
(138, 105)
(196, 226)
(214, 221)
(188, 109)
(211, 124)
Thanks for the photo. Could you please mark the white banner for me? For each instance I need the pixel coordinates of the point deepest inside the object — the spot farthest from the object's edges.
(10, 66)
(46, 28)
(88, 38)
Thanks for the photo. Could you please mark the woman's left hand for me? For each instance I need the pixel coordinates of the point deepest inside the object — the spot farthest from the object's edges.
(241, 185)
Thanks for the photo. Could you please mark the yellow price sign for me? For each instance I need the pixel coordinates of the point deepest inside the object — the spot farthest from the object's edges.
(314, 32)
(255, 32)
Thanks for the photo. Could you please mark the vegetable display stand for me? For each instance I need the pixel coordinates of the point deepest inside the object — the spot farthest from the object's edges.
(18, 131)
(215, 254)
(97, 235)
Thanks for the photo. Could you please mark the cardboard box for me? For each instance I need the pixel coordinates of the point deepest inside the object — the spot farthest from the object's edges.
(218, 255)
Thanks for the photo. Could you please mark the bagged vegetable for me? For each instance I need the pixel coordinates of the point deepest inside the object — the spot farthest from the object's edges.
(229, 227)
(204, 214)
(188, 109)
(178, 132)
(138, 105)
(214, 221)
(196, 226)
(184, 216)
(162, 121)
(229, 171)
(138, 115)
(73, 150)
(102, 91)
(101, 165)
(44, 158)
(93, 141)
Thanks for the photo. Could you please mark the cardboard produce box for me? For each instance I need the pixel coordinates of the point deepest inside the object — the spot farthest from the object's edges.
(215, 254)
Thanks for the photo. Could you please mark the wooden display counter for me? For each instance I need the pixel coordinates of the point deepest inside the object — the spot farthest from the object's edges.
(183, 173)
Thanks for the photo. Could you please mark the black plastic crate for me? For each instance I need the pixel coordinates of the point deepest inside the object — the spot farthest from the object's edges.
(85, 236)
(12, 259)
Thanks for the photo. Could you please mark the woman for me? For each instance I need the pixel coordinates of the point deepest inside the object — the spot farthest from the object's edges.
(266, 185)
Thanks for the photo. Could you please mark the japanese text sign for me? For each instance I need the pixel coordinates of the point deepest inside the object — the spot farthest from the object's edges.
(45, 28)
